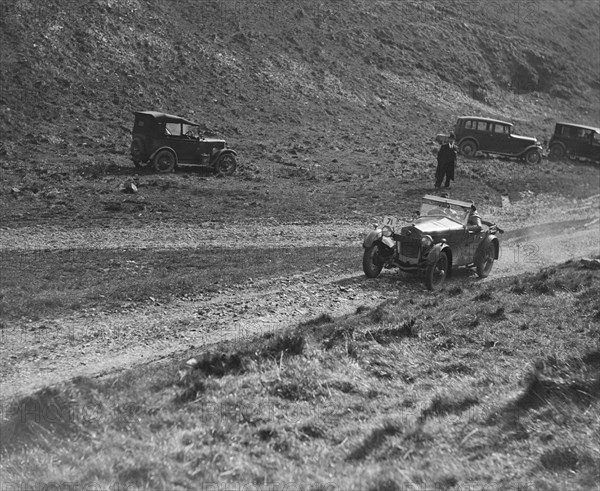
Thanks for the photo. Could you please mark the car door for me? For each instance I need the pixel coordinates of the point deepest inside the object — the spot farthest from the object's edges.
(483, 135)
(186, 147)
(589, 146)
(595, 146)
(500, 138)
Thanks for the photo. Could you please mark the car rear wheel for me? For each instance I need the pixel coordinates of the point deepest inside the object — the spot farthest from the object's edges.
(164, 161)
(557, 152)
(372, 261)
(468, 148)
(485, 260)
(226, 165)
(533, 157)
(436, 273)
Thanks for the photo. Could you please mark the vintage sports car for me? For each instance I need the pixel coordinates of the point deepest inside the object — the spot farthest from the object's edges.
(165, 141)
(447, 234)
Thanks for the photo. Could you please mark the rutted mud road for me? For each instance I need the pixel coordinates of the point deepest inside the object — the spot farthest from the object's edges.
(91, 343)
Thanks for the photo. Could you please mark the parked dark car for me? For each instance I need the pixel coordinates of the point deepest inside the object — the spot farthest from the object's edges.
(439, 240)
(474, 134)
(165, 141)
(575, 140)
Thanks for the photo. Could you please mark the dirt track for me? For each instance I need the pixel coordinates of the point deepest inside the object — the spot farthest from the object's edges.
(92, 343)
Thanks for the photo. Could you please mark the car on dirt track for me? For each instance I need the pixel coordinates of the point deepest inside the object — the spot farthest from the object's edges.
(164, 141)
(475, 134)
(574, 140)
(441, 239)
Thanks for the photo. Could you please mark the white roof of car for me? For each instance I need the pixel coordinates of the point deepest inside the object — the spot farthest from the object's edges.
(597, 130)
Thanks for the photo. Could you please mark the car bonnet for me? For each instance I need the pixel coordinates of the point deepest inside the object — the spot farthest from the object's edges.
(436, 225)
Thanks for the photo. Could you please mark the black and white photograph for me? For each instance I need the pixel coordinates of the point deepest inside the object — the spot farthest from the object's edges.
(299, 245)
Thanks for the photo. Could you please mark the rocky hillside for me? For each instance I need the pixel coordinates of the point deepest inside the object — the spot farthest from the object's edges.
(277, 76)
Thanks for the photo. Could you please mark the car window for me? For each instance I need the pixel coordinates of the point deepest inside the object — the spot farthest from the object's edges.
(501, 128)
(173, 129)
(482, 125)
(470, 125)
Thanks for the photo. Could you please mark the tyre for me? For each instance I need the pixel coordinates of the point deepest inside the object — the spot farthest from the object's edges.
(137, 153)
(226, 165)
(372, 261)
(468, 148)
(557, 152)
(485, 260)
(436, 273)
(164, 161)
(533, 157)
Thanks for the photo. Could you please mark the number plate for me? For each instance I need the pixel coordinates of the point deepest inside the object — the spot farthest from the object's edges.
(391, 222)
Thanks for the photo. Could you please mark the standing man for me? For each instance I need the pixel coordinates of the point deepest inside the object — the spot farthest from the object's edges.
(446, 159)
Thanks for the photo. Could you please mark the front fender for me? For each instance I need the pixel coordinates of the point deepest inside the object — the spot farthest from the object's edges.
(377, 236)
(223, 151)
(530, 147)
(435, 252)
(490, 239)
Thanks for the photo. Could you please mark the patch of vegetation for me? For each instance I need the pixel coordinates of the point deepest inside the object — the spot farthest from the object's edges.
(344, 402)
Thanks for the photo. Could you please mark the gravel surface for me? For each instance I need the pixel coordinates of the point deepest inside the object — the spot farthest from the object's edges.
(92, 343)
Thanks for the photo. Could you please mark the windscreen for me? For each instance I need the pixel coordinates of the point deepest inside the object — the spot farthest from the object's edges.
(430, 208)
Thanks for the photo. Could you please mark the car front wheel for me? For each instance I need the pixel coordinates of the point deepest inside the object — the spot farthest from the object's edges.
(533, 157)
(164, 161)
(436, 273)
(372, 261)
(226, 165)
(468, 148)
(485, 260)
(557, 152)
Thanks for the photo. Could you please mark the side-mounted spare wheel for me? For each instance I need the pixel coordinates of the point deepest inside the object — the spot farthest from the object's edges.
(164, 161)
(137, 153)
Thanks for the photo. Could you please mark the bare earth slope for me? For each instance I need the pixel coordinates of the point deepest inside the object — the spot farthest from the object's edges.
(274, 74)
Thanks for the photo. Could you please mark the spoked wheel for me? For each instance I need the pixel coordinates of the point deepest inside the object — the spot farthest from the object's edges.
(533, 157)
(137, 153)
(436, 273)
(226, 165)
(468, 148)
(164, 161)
(557, 152)
(372, 261)
(485, 261)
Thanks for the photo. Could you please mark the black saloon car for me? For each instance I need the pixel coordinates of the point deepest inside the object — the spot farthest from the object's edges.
(575, 140)
(475, 134)
(166, 141)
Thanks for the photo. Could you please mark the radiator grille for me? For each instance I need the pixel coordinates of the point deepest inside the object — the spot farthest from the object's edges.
(410, 248)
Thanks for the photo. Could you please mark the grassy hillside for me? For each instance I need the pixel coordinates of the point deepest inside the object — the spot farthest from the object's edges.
(493, 385)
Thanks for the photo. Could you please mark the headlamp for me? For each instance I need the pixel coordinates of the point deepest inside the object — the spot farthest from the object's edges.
(426, 241)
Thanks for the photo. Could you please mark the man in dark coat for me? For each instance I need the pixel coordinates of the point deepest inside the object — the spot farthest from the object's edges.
(446, 159)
